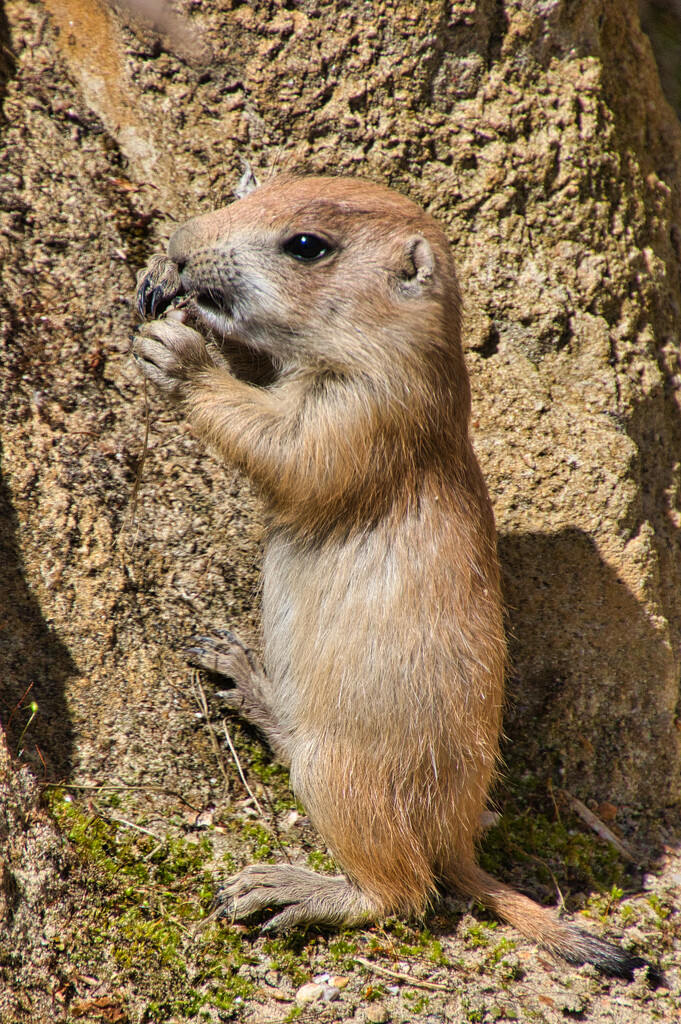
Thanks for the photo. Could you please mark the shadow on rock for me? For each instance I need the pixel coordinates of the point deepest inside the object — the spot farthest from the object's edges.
(34, 665)
(592, 679)
(6, 55)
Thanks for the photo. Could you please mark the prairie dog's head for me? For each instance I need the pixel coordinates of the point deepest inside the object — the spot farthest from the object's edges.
(331, 273)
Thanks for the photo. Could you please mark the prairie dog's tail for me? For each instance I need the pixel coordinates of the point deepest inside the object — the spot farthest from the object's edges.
(543, 926)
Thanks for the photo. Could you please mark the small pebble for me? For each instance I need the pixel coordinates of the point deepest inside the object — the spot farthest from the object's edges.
(205, 818)
(489, 818)
(309, 993)
(607, 812)
(278, 994)
(376, 1014)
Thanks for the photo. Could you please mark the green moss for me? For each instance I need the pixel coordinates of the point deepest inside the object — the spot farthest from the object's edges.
(262, 841)
(602, 904)
(661, 911)
(322, 862)
(501, 961)
(406, 941)
(416, 1003)
(371, 993)
(231, 866)
(502, 1013)
(341, 953)
(501, 949)
(292, 955)
(628, 914)
(145, 900)
(476, 936)
(437, 955)
(558, 854)
(472, 1013)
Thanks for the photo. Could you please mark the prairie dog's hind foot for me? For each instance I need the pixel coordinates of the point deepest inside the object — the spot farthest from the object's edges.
(304, 897)
(225, 654)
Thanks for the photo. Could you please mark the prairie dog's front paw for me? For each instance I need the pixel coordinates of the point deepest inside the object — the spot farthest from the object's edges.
(170, 355)
(157, 286)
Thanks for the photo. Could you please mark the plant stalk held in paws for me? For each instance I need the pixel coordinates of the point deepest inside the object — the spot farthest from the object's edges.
(329, 369)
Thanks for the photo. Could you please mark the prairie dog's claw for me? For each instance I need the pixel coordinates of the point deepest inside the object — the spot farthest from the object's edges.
(157, 285)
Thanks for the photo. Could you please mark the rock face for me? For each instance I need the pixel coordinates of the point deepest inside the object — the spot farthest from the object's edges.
(538, 135)
(34, 897)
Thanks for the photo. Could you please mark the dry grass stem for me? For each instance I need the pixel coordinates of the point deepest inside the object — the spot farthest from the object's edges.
(402, 977)
(237, 762)
(200, 696)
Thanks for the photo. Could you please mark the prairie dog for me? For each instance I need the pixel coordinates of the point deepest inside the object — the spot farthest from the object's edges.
(382, 619)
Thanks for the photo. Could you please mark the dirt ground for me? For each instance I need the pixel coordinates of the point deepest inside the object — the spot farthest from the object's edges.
(540, 138)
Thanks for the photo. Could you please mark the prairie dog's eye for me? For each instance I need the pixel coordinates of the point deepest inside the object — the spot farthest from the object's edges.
(306, 247)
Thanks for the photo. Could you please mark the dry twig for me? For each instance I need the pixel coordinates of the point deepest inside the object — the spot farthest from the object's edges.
(402, 977)
(240, 770)
(598, 826)
(129, 824)
(200, 696)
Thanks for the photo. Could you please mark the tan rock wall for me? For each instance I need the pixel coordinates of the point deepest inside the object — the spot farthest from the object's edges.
(537, 133)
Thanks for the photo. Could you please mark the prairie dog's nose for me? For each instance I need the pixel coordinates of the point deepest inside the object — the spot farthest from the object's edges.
(201, 232)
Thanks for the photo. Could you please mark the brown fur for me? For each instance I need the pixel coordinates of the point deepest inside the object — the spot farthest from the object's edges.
(382, 615)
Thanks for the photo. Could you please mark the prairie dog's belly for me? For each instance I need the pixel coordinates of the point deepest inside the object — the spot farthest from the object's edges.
(361, 635)
(329, 618)
(323, 622)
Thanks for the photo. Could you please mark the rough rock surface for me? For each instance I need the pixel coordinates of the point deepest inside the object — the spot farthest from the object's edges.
(34, 893)
(537, 133)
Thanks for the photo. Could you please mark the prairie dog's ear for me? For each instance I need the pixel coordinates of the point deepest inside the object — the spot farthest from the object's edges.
(418, 267)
